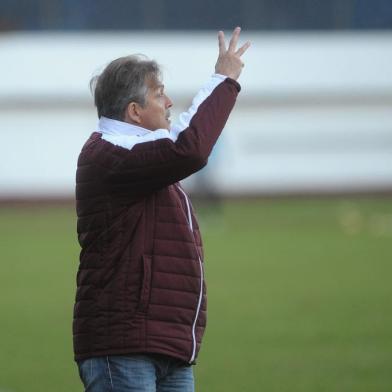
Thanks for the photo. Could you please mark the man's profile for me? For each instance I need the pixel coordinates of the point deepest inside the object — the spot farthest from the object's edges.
(140, 310)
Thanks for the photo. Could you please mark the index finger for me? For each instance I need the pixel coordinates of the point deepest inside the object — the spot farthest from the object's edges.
(221, 42)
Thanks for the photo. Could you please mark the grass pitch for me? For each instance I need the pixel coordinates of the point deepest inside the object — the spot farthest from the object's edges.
(299, 292)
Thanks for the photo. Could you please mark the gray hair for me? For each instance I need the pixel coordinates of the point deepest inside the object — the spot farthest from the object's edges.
(121, 82)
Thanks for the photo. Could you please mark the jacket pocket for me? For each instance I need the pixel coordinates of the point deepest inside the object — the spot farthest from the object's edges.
(146, 284)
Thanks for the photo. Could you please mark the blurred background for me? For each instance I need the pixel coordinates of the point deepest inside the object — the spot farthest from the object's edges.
(301, 178)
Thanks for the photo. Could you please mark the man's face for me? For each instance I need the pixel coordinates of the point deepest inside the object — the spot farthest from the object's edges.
(155, 114)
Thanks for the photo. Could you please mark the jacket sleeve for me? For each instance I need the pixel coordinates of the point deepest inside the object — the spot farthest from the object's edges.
(167, 157)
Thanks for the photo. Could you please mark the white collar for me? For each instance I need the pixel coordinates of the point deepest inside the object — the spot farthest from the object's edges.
(108, 126)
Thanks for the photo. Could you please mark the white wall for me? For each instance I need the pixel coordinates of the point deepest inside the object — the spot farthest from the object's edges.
(314, 113)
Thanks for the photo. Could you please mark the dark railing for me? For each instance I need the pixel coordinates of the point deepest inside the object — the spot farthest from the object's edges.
(195, 15)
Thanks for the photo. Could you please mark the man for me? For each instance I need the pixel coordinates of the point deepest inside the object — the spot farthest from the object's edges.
(140, 308)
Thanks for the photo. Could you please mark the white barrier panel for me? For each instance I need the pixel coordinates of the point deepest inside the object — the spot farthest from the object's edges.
(314, 113)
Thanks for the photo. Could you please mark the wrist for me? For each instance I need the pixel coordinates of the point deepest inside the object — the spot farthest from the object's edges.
(219, 76)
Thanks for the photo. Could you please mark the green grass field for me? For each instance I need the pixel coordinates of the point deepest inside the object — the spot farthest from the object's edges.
(299, 291)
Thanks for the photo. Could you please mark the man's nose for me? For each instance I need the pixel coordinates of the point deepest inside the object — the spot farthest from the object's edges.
(169, 102)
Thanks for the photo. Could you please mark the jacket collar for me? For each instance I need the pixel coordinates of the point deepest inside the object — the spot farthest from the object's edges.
(108, 126)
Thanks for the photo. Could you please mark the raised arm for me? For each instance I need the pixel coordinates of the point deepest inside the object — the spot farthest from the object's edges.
(228, 65)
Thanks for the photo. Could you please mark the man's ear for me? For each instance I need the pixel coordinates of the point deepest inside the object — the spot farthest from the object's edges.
(132, 113)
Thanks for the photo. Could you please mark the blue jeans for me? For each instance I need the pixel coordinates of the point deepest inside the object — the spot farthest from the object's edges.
(141, 373)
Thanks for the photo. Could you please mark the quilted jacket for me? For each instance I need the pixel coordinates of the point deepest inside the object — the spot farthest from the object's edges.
(140, 283)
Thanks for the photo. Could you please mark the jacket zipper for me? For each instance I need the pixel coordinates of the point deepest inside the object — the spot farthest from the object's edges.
(201, 277)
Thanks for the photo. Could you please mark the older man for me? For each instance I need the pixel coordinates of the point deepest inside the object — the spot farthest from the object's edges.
(140, 308)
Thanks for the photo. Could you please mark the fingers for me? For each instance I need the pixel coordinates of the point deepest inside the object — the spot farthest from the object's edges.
(221, 43)
(234, 39)
(229, 60)
(233, 43)
(242, 49)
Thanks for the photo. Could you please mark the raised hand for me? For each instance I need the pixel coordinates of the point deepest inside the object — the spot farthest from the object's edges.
(229, 61)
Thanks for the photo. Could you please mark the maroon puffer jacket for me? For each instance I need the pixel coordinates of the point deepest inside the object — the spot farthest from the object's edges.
(140, 284)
